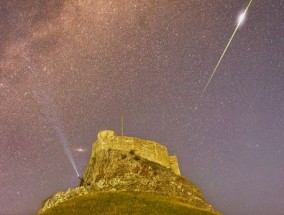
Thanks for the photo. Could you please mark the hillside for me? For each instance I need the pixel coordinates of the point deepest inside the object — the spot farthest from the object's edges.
(134, 203)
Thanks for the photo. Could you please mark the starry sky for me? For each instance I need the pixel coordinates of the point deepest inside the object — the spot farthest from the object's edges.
(69, 69)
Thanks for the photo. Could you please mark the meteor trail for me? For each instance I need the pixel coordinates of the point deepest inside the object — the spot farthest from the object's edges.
(241, 19)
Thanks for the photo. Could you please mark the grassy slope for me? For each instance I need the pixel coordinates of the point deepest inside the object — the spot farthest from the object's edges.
(133, 203)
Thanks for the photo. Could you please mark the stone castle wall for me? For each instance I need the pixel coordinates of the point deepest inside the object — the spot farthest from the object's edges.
(150, 150)
(174, 164)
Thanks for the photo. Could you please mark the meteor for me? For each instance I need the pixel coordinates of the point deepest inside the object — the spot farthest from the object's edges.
(241, 20)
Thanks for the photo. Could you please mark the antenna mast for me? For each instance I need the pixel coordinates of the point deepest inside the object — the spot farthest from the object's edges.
(122, 125)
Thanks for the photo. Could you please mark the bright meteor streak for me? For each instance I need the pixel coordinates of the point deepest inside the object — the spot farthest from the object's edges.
(241, 19)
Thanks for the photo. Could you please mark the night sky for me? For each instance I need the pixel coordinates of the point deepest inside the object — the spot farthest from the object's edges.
(69, 69)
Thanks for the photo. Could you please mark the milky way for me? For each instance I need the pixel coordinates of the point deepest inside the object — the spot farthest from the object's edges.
(78, 66)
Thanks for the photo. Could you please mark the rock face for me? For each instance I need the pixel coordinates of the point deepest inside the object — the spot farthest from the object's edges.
(120, 163)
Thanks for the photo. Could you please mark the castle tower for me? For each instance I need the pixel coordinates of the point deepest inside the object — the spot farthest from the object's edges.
(149, 150)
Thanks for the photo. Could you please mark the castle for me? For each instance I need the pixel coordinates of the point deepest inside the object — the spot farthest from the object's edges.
(149, 150)
(126, 169)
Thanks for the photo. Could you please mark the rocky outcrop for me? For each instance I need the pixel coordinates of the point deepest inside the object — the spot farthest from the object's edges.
(64, 196)
(113, 170)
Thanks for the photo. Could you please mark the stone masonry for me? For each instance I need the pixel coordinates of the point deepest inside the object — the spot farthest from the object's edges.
(149, 150)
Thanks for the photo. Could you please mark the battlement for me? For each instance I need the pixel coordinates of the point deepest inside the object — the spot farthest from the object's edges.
(149, 150)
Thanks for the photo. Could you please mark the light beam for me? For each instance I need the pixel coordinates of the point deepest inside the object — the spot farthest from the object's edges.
(48, 109)
(241, 19)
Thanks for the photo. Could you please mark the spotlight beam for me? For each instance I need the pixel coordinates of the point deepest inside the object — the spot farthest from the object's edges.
(240, 21)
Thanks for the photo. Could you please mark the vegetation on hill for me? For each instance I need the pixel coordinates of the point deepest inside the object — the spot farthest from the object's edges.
(114, 203)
